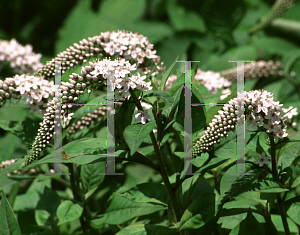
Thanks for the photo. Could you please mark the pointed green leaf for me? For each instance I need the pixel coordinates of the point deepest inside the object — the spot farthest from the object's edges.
(8, 222)
(166, 75)
(199, 212)
(149, 192)
(268, 186)
(122, 209)
(250, 226)
(146, 229)
(135, 134)
(89, 175)
(165, 96)
(294, 212)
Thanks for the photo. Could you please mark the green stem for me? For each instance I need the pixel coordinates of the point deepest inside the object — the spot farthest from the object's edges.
(162, 170)
(76, 195)
(165, 177)
(276, 178)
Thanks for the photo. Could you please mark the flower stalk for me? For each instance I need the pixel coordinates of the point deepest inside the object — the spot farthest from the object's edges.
(162, 169)
(276, 178)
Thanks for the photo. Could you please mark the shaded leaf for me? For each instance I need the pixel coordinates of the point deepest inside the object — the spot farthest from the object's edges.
(135, 134)
(68, 211)
(122, 209)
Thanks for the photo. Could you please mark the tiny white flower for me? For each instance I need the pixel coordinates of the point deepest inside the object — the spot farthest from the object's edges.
(144, 86)
(127, 83)
(273, 116)
(261, 160)
(142, 116)
(290, 112)
(137, 78)
(281, 133)
(262, 105)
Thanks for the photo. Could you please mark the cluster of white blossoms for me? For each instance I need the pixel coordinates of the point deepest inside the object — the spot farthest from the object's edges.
(213, 82)
(130, 46)
(21, 58)
(260, 111)
(122, 44)
(98, 72)
(34, 89)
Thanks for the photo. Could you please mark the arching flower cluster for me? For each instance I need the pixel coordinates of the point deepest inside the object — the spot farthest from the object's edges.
(255, 69)
(118, 43)
(21, 58)
(213, 81)
(260, 111)
(35, 90)
(97, 72)
(45, 133)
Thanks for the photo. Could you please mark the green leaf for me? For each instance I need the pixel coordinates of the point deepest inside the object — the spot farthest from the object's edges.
(154, 31)
(198, 113)
(8, 223)
(179, 83)
(268, 186)
(182, 19)
(131, 10)
(277, 221)
(233, 184)
(148, 192)
(89, 23)
(46, 206)
(85, 146)
(296, 182)
(273, 45)
(288, 154)
(135, 134)
(8, 143)
(240, 202)
(122, 210)
(146, 229)
(167, 98)
(199, 212)
(68, 211)
(89, 175)
(251, 226)
(93, 105)
(20, 113)
(294, 212)
(123, 118)
(166, 75)
(290, 59)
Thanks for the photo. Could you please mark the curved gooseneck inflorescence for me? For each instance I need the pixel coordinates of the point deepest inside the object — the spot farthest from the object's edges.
(131, 46)
(260, 111)
(132, 52)
(127, 45)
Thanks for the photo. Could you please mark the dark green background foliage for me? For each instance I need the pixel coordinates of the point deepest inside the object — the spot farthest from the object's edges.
(212, 31)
